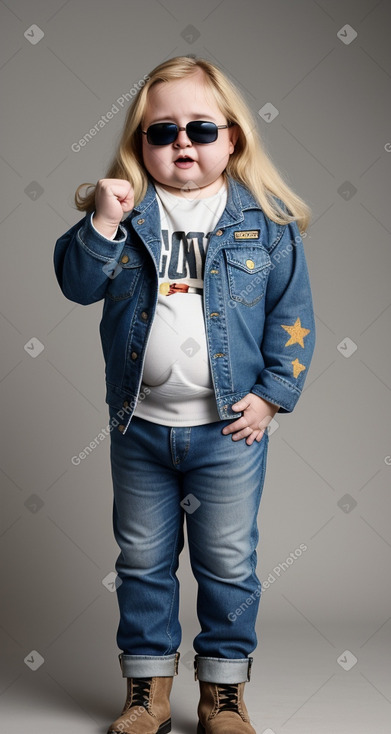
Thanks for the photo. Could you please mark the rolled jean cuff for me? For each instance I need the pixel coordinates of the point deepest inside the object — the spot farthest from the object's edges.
(148, 666)
(222, 670)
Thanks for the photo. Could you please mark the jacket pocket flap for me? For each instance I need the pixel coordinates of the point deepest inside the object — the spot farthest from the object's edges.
(249, 259)
(131, 257)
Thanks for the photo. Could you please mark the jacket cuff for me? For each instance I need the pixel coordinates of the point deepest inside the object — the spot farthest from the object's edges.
(115, 236)
(96, 244)
(277, 390)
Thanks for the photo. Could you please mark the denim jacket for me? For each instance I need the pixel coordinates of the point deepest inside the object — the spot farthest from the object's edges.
(257, 301)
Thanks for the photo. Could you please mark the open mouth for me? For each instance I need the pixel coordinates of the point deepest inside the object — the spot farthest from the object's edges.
(184, 161)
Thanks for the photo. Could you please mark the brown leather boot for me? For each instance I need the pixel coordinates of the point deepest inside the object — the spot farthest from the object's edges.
(147, 707)
(221, 709)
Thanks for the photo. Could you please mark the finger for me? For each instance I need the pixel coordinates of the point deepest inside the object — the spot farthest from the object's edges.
(250, 439)
(245, 433)
(241, 404)
(235, 426)
(117, 188)
(123, 195)
(127, 204)
(114, 184)
(256, 436)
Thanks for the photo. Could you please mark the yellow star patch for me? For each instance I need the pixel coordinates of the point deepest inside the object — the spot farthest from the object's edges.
(296, 333)
(297, 367)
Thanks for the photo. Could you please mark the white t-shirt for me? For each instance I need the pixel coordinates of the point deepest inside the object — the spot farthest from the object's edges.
(176, 367)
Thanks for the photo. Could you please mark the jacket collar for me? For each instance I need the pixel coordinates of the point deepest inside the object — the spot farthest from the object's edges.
(239, 198)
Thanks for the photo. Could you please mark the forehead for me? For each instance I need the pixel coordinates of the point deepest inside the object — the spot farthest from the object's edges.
(190, 95)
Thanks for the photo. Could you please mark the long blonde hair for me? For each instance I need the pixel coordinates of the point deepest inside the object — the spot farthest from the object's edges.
(249, 163)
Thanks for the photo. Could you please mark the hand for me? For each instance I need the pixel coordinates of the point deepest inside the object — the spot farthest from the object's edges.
(257, 414)
(113, 197)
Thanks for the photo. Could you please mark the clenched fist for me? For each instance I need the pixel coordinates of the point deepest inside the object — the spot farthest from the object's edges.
(113, 197)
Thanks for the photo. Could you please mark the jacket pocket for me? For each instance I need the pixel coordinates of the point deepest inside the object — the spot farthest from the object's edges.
(124, 274)
(247, 271)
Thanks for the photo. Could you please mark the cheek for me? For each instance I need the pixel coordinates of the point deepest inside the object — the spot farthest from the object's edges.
(144, 153)
(152, 158)
(215, 156)
(222, 154)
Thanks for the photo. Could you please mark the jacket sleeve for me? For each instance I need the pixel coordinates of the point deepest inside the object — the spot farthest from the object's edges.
(289, 334)
(84, 260)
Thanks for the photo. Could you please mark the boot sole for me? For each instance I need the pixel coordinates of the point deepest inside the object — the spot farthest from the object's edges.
(164, 728)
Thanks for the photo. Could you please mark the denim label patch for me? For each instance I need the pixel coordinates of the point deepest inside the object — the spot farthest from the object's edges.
(250, 234)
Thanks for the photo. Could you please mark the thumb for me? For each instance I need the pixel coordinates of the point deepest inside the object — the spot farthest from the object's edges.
(241, 404)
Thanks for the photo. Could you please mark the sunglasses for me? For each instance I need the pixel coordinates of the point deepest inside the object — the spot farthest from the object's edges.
(199, 131)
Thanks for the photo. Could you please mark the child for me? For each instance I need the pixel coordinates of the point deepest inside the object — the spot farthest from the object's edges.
(207, 331)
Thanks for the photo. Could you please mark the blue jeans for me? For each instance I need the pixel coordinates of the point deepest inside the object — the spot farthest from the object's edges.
(162, 474)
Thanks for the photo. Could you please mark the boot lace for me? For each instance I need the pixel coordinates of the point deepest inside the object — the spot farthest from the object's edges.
(228, 697)
(141, 688)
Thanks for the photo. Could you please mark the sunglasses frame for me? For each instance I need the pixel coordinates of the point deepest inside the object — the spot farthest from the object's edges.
(178, 129)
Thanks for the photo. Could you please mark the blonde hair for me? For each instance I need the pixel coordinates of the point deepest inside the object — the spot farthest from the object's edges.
(249, 163)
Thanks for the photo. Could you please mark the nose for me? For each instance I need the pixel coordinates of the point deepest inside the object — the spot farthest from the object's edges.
(182, 140)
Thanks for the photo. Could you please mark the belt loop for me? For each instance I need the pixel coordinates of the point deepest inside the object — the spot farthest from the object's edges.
(195, 668)
(250, 662)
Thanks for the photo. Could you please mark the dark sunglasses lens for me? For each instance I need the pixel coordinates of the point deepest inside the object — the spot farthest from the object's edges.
(162, 133)
(202, 132)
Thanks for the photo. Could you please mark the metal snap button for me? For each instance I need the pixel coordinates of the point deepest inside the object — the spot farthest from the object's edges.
(125, 259)
(219, 232)
(140, 221)
(134, 355)
(250, 264)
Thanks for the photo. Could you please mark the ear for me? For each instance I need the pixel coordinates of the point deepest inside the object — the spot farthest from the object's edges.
(233, 133)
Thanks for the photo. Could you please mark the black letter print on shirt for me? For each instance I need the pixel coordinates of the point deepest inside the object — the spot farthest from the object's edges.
(187, 256)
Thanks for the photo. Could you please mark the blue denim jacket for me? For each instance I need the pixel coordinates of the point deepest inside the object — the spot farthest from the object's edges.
(257, 300)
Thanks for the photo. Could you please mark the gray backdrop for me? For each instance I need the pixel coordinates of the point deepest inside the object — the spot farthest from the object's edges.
(322, 663)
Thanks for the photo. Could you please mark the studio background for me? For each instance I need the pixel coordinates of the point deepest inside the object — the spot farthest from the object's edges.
(322, 68)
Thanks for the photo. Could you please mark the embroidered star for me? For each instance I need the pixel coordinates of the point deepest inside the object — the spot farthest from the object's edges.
(296, 333)
(297, 367)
